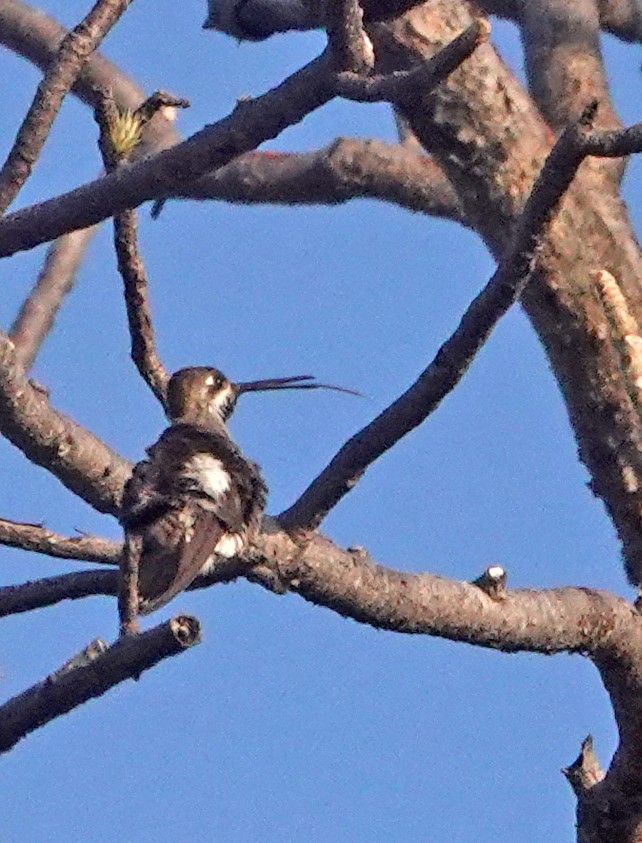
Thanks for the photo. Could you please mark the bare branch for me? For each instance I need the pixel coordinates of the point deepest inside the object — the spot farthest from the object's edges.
(38, 539)
(56, 84)
(251, 123)
(565, 69)
(128, 584)
(348, 168)
(38, 312)
(457, 353)
(91, 674)
(254, 20)
(404, 87)
(36, 37)
(116, 145)
(351, 48)
(619, 17)
(48, 591)
(48, 438)
(351, 584)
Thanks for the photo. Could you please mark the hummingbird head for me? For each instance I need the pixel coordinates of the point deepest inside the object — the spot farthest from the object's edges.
(201, 394)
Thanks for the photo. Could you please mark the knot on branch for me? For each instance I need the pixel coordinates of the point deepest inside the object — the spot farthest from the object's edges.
(493, 582)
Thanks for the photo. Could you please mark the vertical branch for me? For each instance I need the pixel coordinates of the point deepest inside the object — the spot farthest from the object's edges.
(128, 584)
(54, 87)
(120, 133)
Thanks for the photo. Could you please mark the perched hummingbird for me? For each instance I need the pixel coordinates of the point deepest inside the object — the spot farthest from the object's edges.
(196, 497)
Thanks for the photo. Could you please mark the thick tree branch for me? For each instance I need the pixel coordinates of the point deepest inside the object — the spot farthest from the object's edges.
(83, 463)
(92, 673)
(39, 539)
(348, 168)
(56, 279)
(622, 18)
(565, 69)
(56, 84)
(255, 20)
(351, 584)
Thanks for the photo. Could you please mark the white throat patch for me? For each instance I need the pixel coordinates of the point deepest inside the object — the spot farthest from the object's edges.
(222, 399)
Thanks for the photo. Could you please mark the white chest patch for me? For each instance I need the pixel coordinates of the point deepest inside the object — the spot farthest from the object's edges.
(208, 473)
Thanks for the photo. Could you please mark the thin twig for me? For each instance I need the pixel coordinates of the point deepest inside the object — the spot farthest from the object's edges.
(56, 84)
(404, 86)
(92, 673)
(456, 355)
(116, 146)
(36, 316)
(36, 538)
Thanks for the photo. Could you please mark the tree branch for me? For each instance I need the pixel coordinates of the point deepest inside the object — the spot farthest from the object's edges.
(408, 86)
(92, 673)
(621, 18)
(348, 168)
(130, 263)
(56, 279)
(251, 123)
(83, 463)
(351, 584)
(255, 20)
(56, 84)
(565, 69)
(39, 539)
(456, 355)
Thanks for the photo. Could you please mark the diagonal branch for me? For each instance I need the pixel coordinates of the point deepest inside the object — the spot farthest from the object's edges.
(39, 539)
(56, 84)
(81, 461)
(457, 353)
(92, 673)
(250, 124)
(56, 279)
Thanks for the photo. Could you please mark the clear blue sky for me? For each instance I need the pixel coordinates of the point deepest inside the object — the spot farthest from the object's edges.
(289, 723)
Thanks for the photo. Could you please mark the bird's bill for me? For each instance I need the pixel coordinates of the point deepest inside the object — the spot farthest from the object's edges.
(296, 382)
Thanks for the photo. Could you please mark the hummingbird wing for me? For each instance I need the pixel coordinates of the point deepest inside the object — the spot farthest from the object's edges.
(176, 546)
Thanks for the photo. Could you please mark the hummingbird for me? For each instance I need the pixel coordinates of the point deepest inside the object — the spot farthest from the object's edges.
(196, 498)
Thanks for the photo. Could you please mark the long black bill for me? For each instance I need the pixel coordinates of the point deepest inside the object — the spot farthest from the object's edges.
(297, 382)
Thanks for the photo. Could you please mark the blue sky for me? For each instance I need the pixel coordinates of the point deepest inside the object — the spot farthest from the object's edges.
(289, 723)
